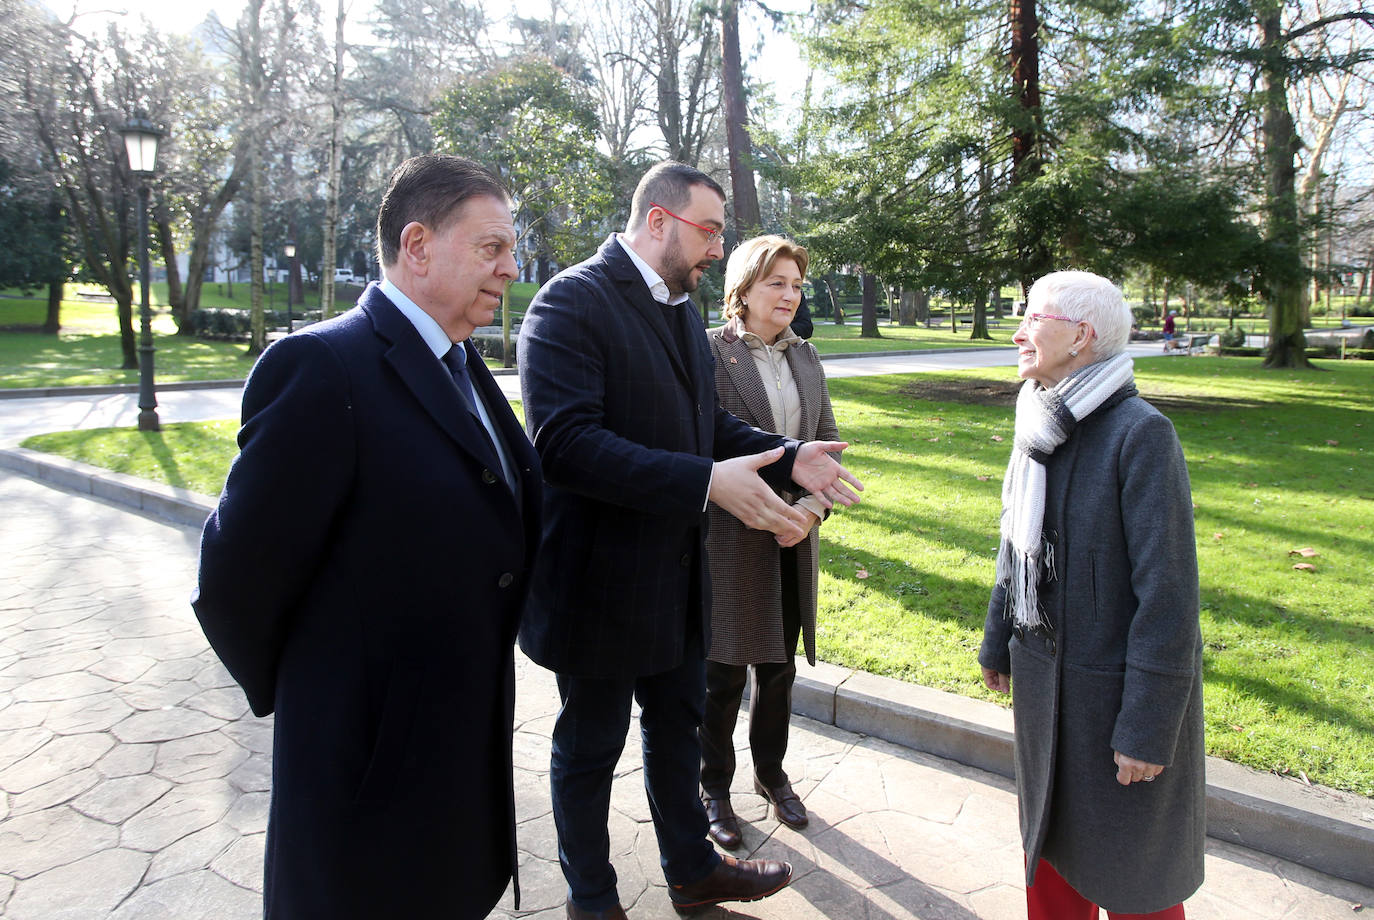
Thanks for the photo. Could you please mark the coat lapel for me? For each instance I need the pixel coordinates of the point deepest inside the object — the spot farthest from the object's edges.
(744, 374)
(636, 293)
(427, 378)
(804, 377)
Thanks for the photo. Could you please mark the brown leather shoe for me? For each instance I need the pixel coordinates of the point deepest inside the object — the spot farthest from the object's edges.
(611, 913)
(787, 805)
(724, 828)
(732, 880)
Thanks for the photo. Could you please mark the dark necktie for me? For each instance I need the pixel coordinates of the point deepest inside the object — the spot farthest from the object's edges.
(670, 316)
(456, 359)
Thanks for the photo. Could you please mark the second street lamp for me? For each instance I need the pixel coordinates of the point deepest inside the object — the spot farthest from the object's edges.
(290, 282)
(141, 138)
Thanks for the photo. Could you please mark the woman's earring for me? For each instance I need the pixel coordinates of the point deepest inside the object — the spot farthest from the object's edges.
(1073, 352)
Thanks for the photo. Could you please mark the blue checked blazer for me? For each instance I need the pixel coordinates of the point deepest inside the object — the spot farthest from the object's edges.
(626, 427)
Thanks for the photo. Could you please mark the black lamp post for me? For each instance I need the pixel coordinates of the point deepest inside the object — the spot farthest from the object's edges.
(141, 138)
(290, 282)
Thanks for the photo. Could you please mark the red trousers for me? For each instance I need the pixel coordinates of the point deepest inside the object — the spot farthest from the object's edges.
(1052, 898)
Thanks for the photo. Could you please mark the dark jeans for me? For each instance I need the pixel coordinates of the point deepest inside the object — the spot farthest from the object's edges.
(770, 704)
(588, 737)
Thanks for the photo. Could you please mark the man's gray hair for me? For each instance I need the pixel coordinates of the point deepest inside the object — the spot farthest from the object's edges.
(1088, 297)
(668, 185)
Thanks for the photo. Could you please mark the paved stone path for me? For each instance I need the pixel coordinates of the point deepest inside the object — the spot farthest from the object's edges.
(134, 782)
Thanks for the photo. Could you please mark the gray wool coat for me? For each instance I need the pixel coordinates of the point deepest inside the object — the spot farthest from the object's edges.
(746, 579)
(1121, 672)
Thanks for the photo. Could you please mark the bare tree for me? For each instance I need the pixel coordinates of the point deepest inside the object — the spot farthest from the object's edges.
(331, 219)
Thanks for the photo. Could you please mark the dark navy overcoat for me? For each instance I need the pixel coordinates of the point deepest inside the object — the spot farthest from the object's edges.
(363, 577)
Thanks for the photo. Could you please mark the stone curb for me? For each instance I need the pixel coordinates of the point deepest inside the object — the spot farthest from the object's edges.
(1324, 829)
(181, 506)
(111, 388)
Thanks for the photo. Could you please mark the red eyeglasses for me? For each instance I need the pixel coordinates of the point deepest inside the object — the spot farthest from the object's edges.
(710, 234)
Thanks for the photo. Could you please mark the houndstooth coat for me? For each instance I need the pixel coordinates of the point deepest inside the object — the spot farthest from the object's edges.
(746, 593)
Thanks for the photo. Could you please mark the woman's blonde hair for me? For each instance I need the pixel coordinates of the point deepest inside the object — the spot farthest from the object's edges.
(753, 259)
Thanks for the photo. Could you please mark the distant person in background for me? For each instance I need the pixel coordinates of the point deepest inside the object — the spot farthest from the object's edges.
(1169, 330)
(1095, 615)
(763, 589)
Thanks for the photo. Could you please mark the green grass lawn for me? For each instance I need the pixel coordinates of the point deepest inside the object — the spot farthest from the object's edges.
(87, 351)
(1276, 464)
(831, 339)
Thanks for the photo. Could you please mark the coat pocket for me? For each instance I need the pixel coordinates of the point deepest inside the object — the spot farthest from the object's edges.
(391, 748)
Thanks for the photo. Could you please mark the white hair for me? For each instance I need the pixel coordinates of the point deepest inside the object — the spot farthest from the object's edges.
(1088, 297)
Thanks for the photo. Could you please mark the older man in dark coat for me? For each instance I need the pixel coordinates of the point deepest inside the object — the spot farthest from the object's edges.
(620, 399)
(364, 573)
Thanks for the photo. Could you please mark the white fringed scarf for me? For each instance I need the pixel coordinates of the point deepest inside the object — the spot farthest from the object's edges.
(1044, 420)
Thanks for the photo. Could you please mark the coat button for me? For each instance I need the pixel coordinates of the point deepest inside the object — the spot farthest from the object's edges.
(488, 477)
(686, 560)
(506, 580)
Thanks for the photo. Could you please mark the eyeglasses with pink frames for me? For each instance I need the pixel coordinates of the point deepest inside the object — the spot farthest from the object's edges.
(1037, 317)
(710, 234)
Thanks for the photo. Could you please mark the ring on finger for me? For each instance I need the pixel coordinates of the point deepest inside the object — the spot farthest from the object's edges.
(1148, 779)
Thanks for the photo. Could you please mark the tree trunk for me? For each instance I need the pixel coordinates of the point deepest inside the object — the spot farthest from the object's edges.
(176, 297)
(52, 324)
(331, 214)
(128, 345)
(257, 336)
(745, 198)
(922, 306)
(868, 326)
(1032, 251)
(906, 312)
(1283, 269)
(837, 310)
(980, 314)
(257, 267)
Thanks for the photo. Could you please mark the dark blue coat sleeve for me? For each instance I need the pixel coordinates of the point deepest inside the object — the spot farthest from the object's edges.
(262, 544)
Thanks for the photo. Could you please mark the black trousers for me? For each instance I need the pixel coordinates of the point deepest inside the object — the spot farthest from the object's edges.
(770, 703)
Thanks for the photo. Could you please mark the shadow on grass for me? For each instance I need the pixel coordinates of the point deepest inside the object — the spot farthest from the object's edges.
(165, 458)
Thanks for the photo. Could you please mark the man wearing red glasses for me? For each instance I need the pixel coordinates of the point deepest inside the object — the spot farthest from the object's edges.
(619, 396)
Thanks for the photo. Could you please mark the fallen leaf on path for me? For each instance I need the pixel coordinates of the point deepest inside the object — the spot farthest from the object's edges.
(984, 478)
(1218, 535)
(997, 437)
(1331, 443)
(1306, 552)
(1304, 567)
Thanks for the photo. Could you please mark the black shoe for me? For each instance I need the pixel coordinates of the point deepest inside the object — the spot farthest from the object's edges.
(724, 828)
(787, 805)
(610, 913)
(732, 880)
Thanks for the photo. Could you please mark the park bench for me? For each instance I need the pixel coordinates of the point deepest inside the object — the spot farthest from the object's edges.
(1194, 344)
(95, 297)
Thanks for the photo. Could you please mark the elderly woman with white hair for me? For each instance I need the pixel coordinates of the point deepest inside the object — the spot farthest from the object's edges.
(1095, 615)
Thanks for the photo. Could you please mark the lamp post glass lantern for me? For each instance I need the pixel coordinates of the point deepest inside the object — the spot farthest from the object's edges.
(290, 249)
(141, 138)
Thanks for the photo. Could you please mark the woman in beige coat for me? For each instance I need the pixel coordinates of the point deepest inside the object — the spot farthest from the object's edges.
(763, 593)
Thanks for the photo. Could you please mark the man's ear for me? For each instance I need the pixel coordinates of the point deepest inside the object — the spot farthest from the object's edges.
(413, 251)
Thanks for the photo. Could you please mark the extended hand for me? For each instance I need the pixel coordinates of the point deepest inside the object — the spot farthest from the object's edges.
(737, 488)
(818, 473)
(1129, 770)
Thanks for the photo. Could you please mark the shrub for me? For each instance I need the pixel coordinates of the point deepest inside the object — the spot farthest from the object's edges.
(490, 346)
(1233, 337)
